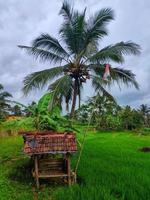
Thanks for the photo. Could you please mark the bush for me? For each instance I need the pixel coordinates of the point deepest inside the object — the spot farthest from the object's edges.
(109, 122)
(19, 124)
(131, 119)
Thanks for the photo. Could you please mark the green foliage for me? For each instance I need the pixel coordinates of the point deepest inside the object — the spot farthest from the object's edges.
(43, 105)
(39, 79)
(45, 119)
(30, 110)
(47, 123)
(4, 103)
(39, 117)
(109, 122)
(131, 119)
(16, 110)
(44, 102)
(104, 113)
(82, 114)
(145, 112)
(144, 131)
(26, 123)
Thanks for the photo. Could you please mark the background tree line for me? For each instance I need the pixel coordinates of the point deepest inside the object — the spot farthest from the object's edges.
(104, 113)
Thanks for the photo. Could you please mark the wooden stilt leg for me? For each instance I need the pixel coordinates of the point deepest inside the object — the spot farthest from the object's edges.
(36, 172)
(68, 170)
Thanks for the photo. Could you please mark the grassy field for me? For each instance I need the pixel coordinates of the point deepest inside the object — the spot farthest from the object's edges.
(112, 167)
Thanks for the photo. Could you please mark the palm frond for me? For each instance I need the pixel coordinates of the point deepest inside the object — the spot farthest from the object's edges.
(96, 27)
(49, 43)
(124, 76)
(97, 69)
(116, 75)
(66, 11)
(90, 49)
(4, 104)
(4, 95)
(42, 54)
(73, 32)
(1, 87)
(4, 101)
(97, 83)
(115, 52)
(40, 79)
(144, 109)
(61, 88)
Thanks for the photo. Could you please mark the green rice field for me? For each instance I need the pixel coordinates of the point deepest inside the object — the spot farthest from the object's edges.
(112, 167)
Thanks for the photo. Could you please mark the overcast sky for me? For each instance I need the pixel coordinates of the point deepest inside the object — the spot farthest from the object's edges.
(23, 20)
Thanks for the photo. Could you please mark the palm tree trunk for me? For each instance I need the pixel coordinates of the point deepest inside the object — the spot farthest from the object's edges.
(74, 98)
(79, 95)
(79, 99)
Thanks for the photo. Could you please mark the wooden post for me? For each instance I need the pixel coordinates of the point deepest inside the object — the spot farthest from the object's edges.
(36, 172)
(68, 170)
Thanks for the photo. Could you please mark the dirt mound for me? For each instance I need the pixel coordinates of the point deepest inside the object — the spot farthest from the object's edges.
(145, 149)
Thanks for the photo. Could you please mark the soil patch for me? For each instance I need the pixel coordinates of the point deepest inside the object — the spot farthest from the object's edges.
(145, 149)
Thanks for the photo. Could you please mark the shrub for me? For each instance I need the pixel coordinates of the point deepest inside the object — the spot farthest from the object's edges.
(109, 122)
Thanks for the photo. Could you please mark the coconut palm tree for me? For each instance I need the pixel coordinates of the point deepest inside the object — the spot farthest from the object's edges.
(103, 104)
(16, 110)
(4, 101)
(145, 111)
(78, 56)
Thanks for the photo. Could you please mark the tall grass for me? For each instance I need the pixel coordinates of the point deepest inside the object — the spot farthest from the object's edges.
(12, 127)
(112, 167)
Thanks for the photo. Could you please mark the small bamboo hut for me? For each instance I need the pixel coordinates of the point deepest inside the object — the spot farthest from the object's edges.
(51, 154)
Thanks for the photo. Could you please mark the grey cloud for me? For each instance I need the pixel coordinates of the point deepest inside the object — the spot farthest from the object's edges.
(22, 21)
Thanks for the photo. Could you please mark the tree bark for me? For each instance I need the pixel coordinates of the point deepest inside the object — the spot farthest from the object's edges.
(74, 98)
(79, 95)
(79, 100)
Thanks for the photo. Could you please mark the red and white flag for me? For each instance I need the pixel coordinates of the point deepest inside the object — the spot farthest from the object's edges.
(107, 72)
